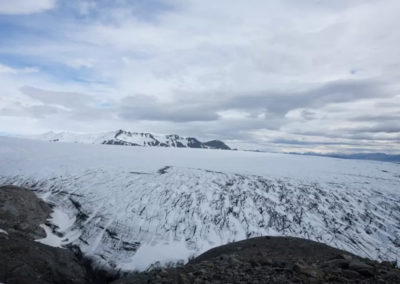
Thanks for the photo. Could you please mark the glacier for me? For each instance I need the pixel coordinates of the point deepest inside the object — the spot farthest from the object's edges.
(128, 208)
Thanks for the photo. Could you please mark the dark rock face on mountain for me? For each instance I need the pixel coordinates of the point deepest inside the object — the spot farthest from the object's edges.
(125, 138)
(21, 212)
(128, 138)
(22, 260)
(273, 260)
(194, 143)
(217, 144)
(118, 142)
(26, 261)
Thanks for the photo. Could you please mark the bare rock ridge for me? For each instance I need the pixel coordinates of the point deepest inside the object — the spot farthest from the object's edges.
(256, 260)
(22, 212)
(22, 260)
(273, 260)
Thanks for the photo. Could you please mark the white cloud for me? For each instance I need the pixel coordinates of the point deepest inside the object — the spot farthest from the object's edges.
(9, 70)
(15, 7)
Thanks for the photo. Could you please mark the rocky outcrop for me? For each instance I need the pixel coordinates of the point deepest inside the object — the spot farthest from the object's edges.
(123, 137)
(22, 260)
(129, 138)
(217, 144)
(25, 261)
(21, 212)
(273, 260)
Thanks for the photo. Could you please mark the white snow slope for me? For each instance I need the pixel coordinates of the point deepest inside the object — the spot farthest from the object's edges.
(129, 207)
(122, 137)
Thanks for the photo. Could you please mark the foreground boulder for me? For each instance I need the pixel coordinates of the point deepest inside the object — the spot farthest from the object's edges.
(22, 260)
(22, 213)
(273, 260)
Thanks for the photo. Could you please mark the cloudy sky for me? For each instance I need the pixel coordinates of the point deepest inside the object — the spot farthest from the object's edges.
(280, 75)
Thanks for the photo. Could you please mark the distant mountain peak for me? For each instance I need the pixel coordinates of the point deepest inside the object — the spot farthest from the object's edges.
(129, 138)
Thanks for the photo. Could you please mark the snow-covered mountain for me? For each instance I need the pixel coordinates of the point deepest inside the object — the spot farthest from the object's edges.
(129, 207)
(127, 138)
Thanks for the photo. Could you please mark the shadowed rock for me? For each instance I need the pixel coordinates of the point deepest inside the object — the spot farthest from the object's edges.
(22, 260)
(21, 212)
(273, 260)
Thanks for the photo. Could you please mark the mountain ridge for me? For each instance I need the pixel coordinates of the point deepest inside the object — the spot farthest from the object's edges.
(128, 138)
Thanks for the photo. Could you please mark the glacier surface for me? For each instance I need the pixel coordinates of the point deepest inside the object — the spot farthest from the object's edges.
(130, 207)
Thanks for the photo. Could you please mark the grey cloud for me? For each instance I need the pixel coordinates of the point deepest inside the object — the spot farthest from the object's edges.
(379, 127)
(274, 105)
(299, 142)
(90, 114)
(395, 117)
(78, 105)
(332, 92)
(66, 99)
(350, 133)
(240, 129)
(37, 111)
(338, 145)
(186, 112)
(66, 105)
(307, 115)
(373, 137)
(41, 111)
(204, 107)
(148, 108)
(338, 142)
(10, 112)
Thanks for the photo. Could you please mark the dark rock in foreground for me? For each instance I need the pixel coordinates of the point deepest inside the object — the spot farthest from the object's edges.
(22, 260)
(21, 212)
(273, 260)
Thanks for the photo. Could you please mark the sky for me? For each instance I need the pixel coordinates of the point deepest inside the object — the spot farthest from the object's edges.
(276, 75)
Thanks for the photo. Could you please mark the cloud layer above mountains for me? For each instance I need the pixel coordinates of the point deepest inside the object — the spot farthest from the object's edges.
(278, 75)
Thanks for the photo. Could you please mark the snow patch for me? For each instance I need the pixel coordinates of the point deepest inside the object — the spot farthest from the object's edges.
(60, 232)
(51, 239)
(161, 253)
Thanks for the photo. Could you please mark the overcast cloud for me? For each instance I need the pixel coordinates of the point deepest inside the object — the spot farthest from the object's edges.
(280, 75)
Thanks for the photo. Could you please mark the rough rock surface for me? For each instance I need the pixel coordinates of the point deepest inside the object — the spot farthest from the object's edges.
(21, 212)
(273, 260)
(22, 260)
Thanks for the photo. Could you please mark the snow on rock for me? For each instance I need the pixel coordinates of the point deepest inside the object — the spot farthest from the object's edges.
(158, 253)
(128, 138)
(91, 138)
(59, 231)
(129, 207)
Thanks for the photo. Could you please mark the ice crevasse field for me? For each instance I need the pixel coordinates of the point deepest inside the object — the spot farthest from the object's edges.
(130, 207)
